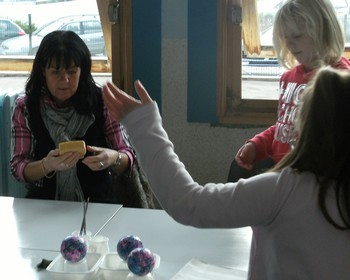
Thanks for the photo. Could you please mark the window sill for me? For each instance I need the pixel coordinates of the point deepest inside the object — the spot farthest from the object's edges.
(23, 64)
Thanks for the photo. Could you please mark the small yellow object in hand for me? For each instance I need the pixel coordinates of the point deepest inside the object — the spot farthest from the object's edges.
(72, 146)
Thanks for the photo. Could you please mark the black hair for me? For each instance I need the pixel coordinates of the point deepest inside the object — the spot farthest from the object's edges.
(63, 48)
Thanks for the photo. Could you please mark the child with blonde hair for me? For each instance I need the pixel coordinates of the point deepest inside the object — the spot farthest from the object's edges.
(306, 35)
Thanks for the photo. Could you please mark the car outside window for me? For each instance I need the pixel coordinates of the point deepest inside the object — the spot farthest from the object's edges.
(73, 27)
(9, 29)
(88, 27)
(92, 27)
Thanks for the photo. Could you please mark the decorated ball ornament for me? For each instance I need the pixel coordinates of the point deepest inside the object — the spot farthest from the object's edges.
(141, 261)
(73, 248)
(126, 244)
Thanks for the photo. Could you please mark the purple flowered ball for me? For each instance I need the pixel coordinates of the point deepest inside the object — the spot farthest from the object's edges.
(141, 261)
(126, 244)
(73, 248)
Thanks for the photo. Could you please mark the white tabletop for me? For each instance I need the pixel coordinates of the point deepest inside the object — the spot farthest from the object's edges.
(33, 229)
(43, 224)
(177, 244)
(19, 263)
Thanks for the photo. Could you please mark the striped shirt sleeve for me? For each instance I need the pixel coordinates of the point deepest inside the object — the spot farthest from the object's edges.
(117, 137)
(22, 140)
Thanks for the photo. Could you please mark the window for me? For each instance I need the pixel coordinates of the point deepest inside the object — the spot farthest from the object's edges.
(146, 38)
(80, 16)
(75, 27)
(234, 107)
(91, 27)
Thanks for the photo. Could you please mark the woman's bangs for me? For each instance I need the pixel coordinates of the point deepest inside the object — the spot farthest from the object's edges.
(64, 59)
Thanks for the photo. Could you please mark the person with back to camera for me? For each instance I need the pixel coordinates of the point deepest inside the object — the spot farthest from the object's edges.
(299, 211)
(306, 35)
(63, 103)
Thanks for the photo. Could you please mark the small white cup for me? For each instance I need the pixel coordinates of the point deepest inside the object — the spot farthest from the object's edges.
(99, 244)
(86, 237)
(81, 266)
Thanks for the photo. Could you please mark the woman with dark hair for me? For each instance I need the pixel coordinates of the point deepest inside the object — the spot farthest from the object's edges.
(299, 212)
(62, 103)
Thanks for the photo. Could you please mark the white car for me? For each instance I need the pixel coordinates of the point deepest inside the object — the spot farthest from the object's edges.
(9, 29)
(88, 27)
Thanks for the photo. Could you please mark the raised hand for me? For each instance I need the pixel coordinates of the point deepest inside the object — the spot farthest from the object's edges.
(120, 103)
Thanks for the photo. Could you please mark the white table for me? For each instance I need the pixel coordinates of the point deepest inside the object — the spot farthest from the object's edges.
(43, 224)
(177, 244)
(20, 263)
(33, 229)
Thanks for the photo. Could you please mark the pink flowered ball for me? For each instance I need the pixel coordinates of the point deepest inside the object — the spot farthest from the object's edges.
(73, 248)
(126, 244)
(141, 261)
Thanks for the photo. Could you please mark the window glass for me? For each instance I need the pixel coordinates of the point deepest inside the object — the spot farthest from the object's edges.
(74, 26)
(268, 8)
(3, 25)
(39, 17)
(92, 27)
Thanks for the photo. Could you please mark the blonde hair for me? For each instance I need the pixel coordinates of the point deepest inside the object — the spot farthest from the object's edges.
(320, 22)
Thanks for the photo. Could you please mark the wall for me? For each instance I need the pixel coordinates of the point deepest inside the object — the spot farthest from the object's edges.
(206, 151)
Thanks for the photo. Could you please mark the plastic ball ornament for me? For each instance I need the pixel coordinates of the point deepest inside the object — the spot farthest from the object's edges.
(126, 244)
(141, 261)
(73, 248)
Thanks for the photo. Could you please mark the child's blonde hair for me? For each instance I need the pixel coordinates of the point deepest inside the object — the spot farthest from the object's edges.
(320, 22)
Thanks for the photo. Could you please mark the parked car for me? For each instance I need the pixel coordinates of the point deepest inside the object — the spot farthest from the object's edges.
(88, 27)
(9, 29)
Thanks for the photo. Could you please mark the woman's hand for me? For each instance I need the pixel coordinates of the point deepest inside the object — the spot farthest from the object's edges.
(102, 158)
(48, 165)
(55, 162)
(120, 103)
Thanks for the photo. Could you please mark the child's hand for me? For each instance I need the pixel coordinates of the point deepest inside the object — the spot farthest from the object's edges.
(120, 103)
(245, 156)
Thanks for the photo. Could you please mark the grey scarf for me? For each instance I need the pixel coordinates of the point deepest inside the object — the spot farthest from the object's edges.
(65, 124)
